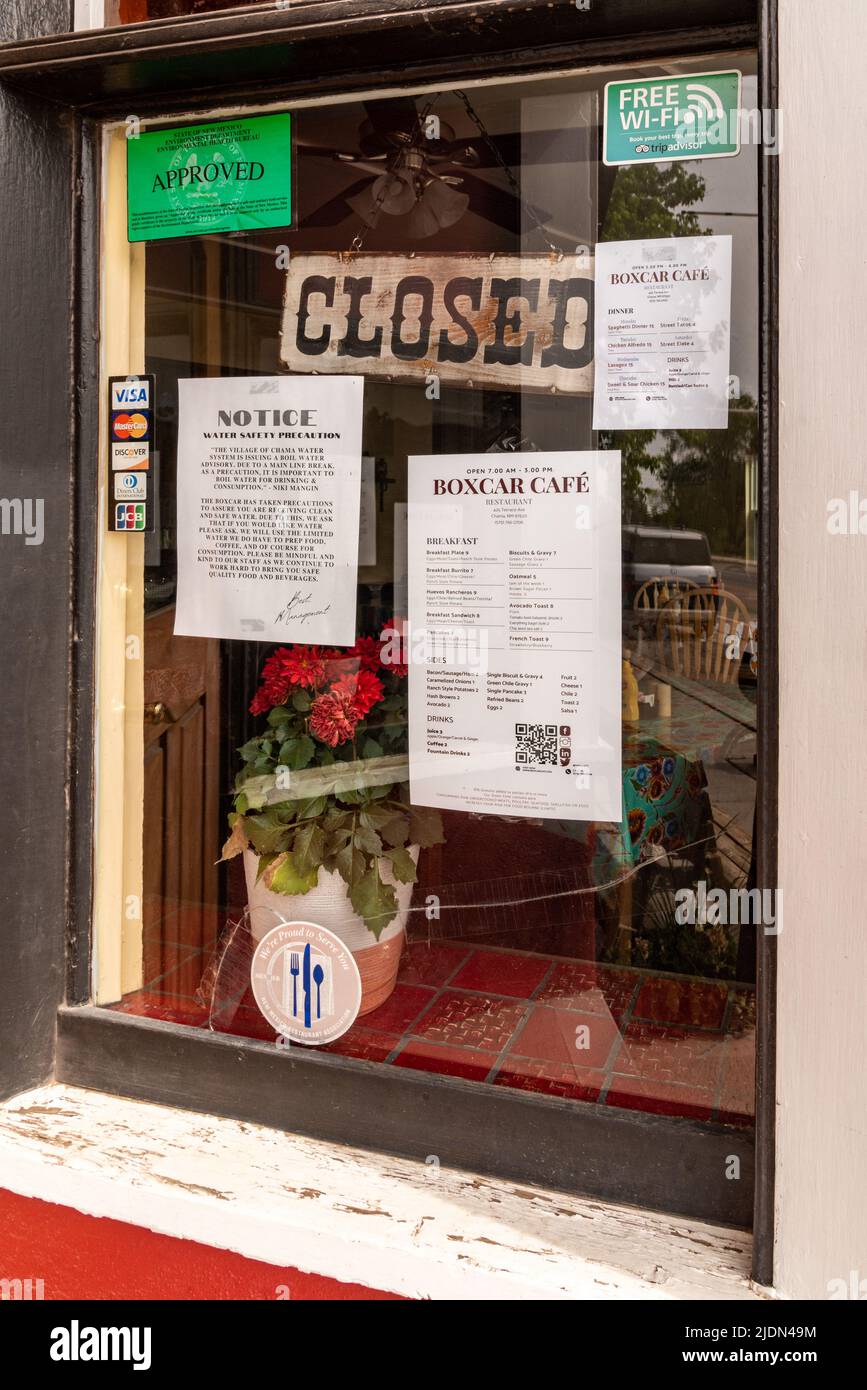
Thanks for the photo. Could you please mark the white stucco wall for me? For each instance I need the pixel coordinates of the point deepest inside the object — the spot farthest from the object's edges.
(822, 1093)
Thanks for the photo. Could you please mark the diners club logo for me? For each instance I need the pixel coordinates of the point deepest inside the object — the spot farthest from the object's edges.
(306, 983)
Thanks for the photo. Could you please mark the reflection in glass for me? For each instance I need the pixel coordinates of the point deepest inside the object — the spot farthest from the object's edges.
(606, 963)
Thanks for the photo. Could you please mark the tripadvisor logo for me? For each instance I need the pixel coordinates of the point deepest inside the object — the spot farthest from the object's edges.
(208, 182)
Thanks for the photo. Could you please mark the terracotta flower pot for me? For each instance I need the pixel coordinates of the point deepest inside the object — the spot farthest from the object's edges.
(328, 906)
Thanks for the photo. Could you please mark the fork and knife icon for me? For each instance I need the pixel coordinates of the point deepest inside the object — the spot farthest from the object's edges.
(300, 965)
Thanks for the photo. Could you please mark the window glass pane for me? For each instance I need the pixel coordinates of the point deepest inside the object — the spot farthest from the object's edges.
(609, 962)
(136, 11)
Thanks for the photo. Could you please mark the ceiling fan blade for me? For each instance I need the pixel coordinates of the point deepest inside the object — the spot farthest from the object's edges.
(370, 166)
(498, 205)
(336, 210)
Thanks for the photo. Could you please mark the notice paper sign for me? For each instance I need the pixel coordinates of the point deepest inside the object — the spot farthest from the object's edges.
(663, 331)
(269, 481)
(227, 176)
(514, 638)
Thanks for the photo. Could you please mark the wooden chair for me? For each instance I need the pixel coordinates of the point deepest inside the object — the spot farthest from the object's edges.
(701, 634)
(650, 598)
(655, 593)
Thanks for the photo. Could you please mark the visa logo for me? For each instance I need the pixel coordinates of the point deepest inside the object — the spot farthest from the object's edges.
(128, 393)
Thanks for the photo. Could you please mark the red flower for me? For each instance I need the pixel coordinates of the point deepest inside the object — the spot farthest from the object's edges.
(305, 666)
(367, 650)
(333, 718)
(363, 689)
(286, 668)
(394, 651)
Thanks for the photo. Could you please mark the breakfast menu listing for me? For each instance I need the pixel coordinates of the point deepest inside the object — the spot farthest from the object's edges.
(514, 613)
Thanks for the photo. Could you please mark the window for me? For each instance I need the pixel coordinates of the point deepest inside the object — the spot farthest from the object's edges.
(137, 11)
(603, 963)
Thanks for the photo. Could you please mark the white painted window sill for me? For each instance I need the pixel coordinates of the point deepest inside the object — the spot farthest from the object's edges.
(386, 1223)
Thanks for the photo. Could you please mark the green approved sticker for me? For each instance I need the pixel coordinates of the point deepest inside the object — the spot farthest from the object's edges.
(653, 120)
(228, 176)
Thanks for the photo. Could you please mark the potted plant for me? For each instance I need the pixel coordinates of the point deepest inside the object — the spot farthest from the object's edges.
(321, 810)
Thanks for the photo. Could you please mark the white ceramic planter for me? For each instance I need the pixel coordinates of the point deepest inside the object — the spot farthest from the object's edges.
(328, 906)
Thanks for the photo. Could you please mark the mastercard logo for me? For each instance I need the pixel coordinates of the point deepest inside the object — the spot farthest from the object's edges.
(130, 426)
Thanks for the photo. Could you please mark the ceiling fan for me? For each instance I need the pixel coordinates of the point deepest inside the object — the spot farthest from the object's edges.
(430, 181)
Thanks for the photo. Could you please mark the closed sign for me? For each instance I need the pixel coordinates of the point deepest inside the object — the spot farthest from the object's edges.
(507, 322)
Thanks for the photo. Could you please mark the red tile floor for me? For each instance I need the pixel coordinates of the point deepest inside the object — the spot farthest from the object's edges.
(610, 1035)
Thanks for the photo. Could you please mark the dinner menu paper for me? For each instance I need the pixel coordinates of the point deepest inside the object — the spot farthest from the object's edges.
(514, 634)
(662, 334)
(269, 481)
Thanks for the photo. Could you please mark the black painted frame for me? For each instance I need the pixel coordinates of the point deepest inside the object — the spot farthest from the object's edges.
(244, 58)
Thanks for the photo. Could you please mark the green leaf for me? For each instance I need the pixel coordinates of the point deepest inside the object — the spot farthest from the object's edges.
(425, 826)
(308, 847)
(350, 864)
(339, 837)
(301, 701)
(254, 788)
(297, 753)
(403, 865)
(280, 715)
(374, 900)
(368, 840)
(251, 750)
(312, 808)
(265, 862)
(286, 878)
(376, 816)
(371, 749)
(267, 835)
(242, 803)
(396, 829)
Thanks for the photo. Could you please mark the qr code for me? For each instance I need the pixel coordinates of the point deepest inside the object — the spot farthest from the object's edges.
(536, 743)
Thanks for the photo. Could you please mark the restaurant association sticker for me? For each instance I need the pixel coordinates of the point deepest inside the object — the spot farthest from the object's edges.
(226, 176)
(306, 983)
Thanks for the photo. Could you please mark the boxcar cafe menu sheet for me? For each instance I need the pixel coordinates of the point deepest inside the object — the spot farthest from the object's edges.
(515, 655)
(663, 329)
(269, 483)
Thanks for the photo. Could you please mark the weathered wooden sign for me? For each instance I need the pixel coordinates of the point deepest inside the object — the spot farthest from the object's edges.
(506, 322)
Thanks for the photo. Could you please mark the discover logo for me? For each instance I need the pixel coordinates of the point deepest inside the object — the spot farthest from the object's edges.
(77, 1343)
